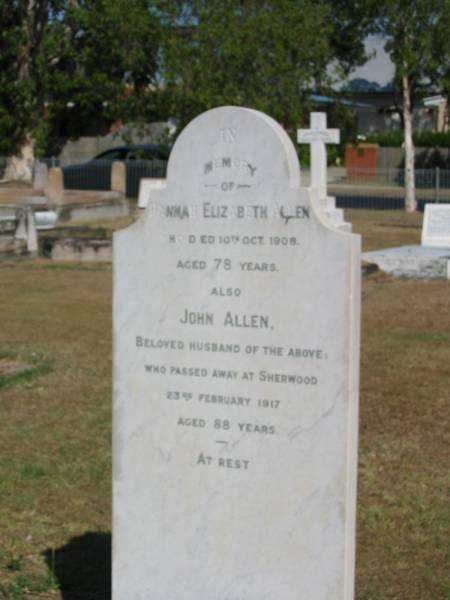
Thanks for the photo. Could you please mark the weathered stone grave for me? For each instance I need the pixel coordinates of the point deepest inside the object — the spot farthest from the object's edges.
(436, 225)
(81, 250)
(430, 260)
(86, 205)
(52, 204)
(119, 177)
(40, 176)
(54, 189)
(17, 230)
(236, 343)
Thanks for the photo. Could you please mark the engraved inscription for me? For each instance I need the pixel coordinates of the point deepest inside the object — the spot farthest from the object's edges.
(228, 135)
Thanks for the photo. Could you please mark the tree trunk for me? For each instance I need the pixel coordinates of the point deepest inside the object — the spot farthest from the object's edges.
(34, 20)
(20, 166)
(410, 188)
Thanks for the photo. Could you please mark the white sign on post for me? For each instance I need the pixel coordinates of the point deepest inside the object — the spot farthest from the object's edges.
(236, 345)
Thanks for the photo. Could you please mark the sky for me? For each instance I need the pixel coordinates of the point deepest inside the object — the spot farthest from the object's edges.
(379, 68)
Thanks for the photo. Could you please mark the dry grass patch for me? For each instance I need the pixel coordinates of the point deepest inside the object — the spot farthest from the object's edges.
(385, 228)
(404, 483)
(55, 443)
(55, 455)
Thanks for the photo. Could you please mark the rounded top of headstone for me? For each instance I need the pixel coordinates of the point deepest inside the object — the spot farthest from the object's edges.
(233, 149)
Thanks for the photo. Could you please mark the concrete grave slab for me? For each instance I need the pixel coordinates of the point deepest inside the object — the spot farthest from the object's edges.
(82, 250)
(421, 262)
(431, 260)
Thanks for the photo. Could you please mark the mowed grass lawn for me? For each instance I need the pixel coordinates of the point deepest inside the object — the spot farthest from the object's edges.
(55, 434)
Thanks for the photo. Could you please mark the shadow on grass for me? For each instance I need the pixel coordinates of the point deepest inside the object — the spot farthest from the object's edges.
(82, 568)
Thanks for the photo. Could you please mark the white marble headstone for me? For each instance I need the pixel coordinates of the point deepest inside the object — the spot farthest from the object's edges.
(146, 187)
(436, 225)
(236, 344)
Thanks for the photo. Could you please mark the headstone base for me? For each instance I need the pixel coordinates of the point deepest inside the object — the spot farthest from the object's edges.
(107, 209)
(10, 246)
(72, 249)
(335, 215)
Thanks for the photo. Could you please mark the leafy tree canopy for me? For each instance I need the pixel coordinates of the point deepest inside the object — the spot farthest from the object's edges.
(267, 54)
(21, 68)
(67, 63)
(417, 41)
(102, 63)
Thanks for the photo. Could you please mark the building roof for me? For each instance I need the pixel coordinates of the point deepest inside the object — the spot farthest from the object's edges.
(320, 99)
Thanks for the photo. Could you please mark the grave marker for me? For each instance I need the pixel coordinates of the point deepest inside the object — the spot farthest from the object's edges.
(40, 176)
(146, 187)
(436, 225)
(236, 344)
(317, 137)
(119, 177)
(55, 186)
(18, 223)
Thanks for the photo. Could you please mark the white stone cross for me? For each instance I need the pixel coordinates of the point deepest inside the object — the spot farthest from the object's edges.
(318, 136)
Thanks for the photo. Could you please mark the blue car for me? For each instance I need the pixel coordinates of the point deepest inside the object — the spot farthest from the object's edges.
(141, 160)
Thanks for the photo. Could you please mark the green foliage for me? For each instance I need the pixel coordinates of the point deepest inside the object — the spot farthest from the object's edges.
(432, 139)
(41, 136)
(419, 46)
(21, 69)
(266, 55)
(422, 138)
(65, 65)
(71, 68)
(417, 41)
(344, 119)
(103, 60)
(351, 22)
(386, 138)
(234, 53)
